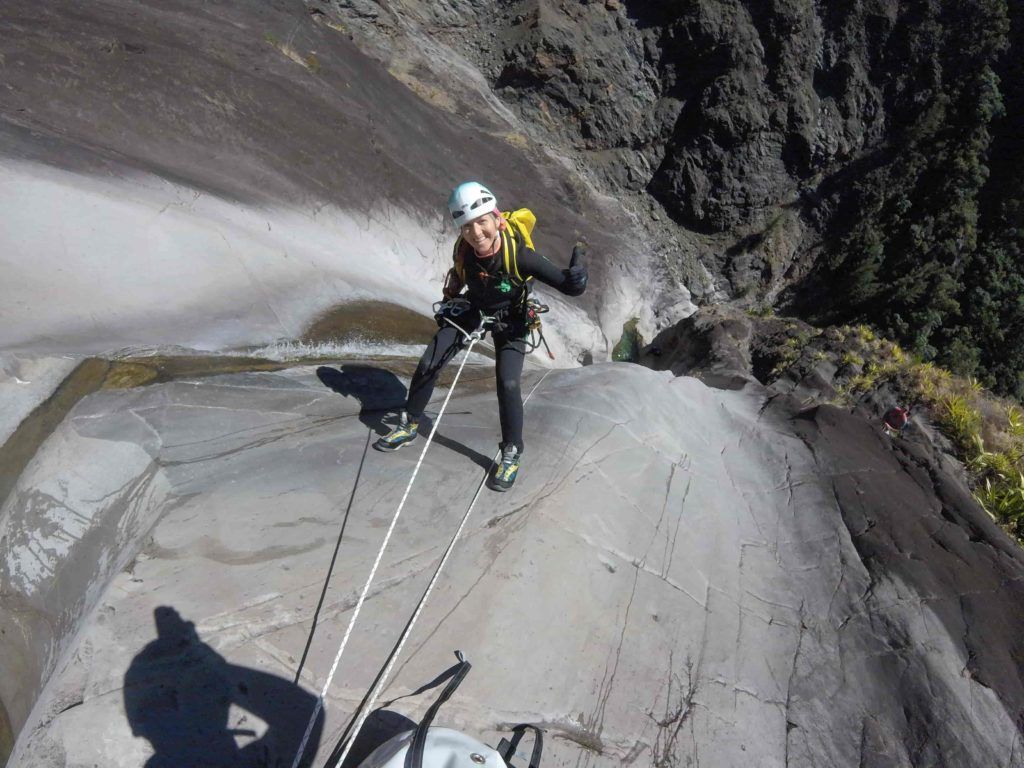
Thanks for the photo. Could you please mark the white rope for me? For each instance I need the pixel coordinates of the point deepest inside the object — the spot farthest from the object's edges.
(365, 712)
(380, 554)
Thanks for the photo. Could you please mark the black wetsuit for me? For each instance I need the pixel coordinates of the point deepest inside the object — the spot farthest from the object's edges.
(483, 281)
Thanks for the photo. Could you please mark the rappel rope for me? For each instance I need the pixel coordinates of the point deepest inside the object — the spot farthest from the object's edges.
(472, 338)
(364, 713)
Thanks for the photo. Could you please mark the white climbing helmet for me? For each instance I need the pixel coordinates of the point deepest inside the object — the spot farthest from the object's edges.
(443, 748)
(469, 201)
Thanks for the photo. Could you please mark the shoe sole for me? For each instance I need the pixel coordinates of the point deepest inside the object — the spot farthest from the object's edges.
(390, 449)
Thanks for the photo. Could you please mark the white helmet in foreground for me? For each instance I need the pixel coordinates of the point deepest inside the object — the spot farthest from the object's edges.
(430, 747)
(471, 201)
(443, 748)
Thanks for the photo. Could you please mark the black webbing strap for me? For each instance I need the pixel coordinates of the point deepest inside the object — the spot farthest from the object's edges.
(414, 757)
(448, 673)
(507, 749)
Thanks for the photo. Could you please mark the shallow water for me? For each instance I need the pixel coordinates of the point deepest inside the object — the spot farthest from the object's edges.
(380, 321)
(23, 443)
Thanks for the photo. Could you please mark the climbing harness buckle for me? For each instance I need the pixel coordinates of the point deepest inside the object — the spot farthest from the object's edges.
(455, 307)
(534, 309)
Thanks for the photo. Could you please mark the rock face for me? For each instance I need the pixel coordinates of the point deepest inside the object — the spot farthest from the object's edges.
(771, 133)
(681, 575)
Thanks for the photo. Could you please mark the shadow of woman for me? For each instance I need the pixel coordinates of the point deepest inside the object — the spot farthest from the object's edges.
(179, 694)
(379, 392)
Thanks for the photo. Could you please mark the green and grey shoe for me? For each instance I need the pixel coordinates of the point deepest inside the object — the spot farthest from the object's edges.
(505, 475)
(404, 432)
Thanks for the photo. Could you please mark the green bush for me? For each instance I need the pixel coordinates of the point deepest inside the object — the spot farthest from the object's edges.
(960, 423)
(1003, 499)
(628, 347)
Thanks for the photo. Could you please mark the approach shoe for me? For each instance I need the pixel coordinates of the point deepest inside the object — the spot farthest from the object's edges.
(505, 475)
(404, 432)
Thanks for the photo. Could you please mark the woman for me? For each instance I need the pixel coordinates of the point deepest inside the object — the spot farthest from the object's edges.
(494, 262)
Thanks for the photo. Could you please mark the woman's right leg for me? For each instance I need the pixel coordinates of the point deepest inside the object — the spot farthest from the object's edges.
(445, 344)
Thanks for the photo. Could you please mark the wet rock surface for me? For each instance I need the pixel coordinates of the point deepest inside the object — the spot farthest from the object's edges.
(304, 172)
(738, 576)
(26, 382)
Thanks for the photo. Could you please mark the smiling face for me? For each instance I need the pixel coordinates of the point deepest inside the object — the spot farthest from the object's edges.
(482, 234)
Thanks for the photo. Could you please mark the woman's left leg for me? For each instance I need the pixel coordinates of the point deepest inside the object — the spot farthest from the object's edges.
(510, 355)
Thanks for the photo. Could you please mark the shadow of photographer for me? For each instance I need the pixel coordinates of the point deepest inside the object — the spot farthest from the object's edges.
(179, 694)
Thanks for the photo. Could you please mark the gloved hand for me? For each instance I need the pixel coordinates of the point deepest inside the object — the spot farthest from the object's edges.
(575, 277)
(453, 309)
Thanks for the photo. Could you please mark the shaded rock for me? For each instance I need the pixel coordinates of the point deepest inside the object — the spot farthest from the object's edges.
(712, 344)
(923, 538)
(727, 343)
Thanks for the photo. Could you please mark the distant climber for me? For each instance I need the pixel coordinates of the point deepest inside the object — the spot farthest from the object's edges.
(895, 420)
(494, 264)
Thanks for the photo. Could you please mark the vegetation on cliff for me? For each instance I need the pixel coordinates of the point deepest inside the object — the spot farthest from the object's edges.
(926, 243)
(984, 430)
